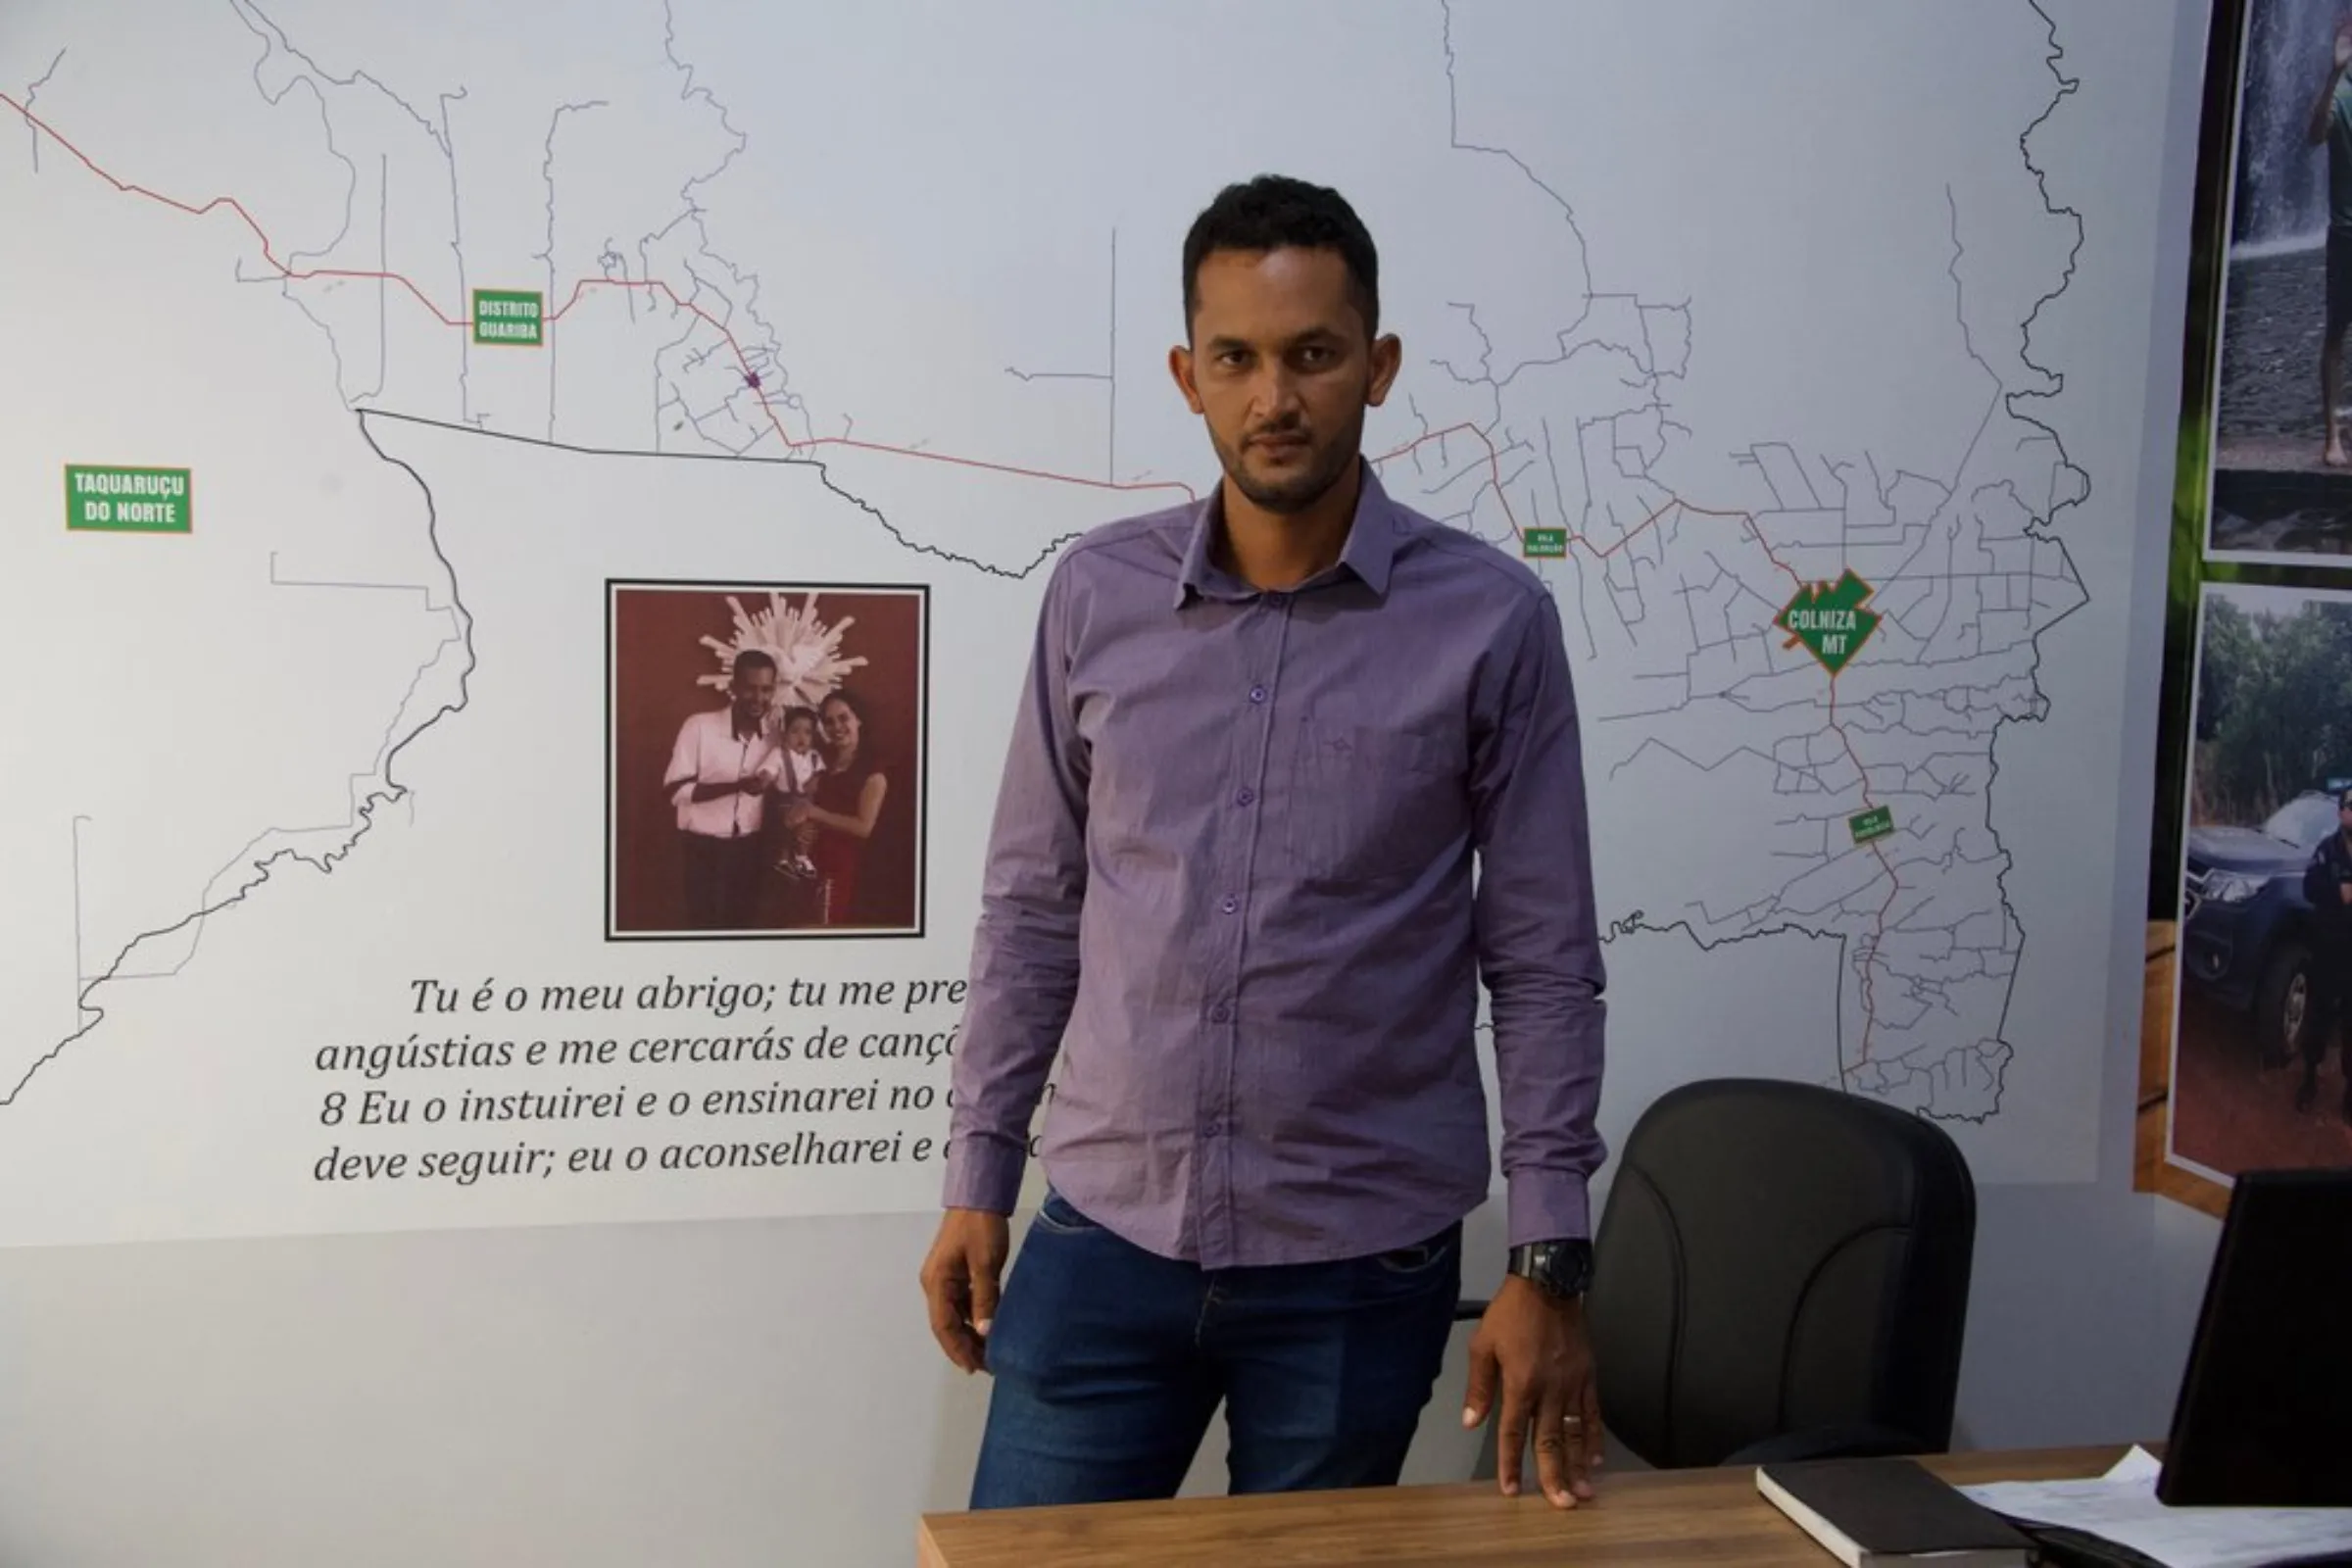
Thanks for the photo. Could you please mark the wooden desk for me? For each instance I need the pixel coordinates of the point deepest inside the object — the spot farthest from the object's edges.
(1658, 1518)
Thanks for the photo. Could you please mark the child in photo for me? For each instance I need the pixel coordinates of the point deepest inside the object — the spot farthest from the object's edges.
(798, 780)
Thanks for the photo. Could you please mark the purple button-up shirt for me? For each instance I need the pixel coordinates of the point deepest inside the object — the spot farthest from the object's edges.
(1230, 878)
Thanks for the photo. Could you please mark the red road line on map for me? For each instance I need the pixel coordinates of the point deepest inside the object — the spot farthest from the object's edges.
(655, 285)
(1894, 884)
(128, 188)
(1600, 551)
(1754, 532)
(305, 274)
(1894, 888)
(581, 288)
(1494, 460)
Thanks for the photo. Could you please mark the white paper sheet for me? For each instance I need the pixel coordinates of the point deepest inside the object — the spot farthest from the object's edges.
(2120, 1506)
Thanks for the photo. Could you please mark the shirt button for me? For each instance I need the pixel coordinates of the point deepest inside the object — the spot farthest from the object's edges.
(1220, 1013)
(1231, 904)
(1257, 693)
(1245, 798)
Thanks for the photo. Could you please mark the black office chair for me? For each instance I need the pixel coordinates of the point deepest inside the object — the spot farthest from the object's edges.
(1780, 1272)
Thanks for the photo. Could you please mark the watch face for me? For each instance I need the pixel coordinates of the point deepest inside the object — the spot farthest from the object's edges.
(1561, 1267)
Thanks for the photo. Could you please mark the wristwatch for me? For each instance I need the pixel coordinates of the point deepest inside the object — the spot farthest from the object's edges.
(1560, 1269)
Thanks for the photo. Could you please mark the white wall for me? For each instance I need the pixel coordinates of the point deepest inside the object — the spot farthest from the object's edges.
(2086, 1296)
(766, 1391)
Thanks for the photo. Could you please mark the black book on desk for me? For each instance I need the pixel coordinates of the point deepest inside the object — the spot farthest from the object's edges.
(1888, 1511)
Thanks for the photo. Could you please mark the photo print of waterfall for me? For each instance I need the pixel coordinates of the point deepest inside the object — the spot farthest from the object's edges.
(2282, 462)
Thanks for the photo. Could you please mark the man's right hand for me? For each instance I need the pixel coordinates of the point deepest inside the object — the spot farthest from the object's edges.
(960, 1278)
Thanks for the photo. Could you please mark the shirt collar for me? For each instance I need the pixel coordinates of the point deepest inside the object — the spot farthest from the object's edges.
(1369, 552)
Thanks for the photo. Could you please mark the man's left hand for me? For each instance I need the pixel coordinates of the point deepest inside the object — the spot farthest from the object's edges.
(1535, 1352)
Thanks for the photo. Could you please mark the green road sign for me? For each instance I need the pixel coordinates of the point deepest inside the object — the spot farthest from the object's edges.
(1543, 543)
(1828, 619)
(508, 315)
(1875, 823)
(105, 498)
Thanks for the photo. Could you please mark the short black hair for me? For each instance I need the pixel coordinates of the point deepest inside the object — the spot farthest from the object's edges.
(752, 659)
(1273, 210)
(796, 713)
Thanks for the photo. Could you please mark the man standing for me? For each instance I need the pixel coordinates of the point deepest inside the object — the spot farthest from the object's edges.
(2331, 123)
(2328, 889)
(1262, 740)
(721, 768)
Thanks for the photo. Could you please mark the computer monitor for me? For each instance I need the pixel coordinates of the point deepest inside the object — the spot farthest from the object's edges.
(2264, 1416)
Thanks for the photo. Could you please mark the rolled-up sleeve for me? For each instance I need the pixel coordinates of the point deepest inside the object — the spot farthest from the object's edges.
(1024, 970)
(1539, 942)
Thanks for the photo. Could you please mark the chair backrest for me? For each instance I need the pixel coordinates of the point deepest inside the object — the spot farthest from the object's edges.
(1775, 1258)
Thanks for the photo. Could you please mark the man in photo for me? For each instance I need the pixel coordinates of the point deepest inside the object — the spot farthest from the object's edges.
(2331, 124)
(720, 769)
(1262, 740)
(2328, 889)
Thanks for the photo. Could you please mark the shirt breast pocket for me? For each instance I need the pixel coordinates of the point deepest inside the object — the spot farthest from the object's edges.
(1371, 802)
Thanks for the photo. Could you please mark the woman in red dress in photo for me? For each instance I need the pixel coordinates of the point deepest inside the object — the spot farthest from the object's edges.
(845, 804)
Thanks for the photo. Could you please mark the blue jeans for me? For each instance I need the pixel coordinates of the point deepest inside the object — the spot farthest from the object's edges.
(1108, 1361)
